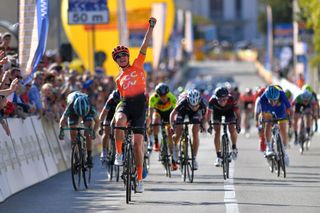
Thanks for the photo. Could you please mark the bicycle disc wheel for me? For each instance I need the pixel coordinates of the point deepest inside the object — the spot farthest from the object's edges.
(75, 167)
(128, 174)
(190, 157)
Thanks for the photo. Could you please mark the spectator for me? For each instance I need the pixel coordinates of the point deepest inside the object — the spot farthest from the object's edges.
(48, 99)
(34, 93)
(5, 44)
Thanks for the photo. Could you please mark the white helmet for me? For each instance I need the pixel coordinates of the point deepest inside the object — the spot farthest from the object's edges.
(193, 97)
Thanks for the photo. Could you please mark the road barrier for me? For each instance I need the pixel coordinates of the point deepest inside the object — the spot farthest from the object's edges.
(32, 153)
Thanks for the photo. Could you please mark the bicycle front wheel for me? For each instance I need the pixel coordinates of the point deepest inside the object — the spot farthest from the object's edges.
(128, 174)
(190, 157)
(281, 157)
(165, 157)
(225, 157)
(86, 171)
(75, 167)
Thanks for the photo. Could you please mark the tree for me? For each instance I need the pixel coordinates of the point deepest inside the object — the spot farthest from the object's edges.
(310, 12)
(281, 13)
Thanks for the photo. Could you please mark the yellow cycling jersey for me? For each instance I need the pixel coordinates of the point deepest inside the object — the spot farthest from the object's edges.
(156, 103)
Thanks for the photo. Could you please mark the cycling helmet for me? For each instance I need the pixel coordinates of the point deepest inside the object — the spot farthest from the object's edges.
(288, 94)
(119, 49)
(162, 89)
(272, 93)
(116, 95)
(306, 95)
(81, 105)
(193, 97)
(221, 92)
(307, 87)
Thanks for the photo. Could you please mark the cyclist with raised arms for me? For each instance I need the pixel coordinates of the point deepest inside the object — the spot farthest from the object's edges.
(304, 102)
(78, 106)
(222, 103)
(195, 108)
(105, 118)
(161, 104)
(131, 84)
(274, 100)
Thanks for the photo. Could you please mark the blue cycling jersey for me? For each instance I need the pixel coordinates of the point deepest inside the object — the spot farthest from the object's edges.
(279, 109)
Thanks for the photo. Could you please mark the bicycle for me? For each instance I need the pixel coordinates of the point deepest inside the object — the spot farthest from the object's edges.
(78, 158)
(129, 173)
(108, 162)
(276, 161)
(164, 149)
(186, 156)
(225, 145)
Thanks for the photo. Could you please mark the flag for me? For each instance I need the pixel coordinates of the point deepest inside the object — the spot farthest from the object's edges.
(33, 32)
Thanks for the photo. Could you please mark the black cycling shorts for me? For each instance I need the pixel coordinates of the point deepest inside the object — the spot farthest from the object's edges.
(74, 118)
(229, 115)
(135, 110)
(165, 116)
(194, 117)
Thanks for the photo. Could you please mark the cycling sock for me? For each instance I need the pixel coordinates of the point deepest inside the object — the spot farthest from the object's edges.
(119, 147)
(234, 146)
(89, 154)
(219, 154)
(308, 130)
(156, 140)
(139, 172)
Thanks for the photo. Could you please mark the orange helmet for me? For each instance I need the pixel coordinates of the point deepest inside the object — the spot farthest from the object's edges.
(119, 49)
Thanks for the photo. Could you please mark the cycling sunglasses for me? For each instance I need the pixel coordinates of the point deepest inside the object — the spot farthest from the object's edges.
(223, 99)
(122, 54)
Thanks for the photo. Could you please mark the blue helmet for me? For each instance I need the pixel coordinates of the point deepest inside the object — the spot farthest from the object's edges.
(306, 95)
(272, 93)
(81, 105)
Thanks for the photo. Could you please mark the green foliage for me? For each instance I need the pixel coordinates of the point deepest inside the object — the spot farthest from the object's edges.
(310, 12)
(281, 13)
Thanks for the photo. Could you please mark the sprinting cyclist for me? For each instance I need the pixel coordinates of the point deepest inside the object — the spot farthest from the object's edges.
(258, 117)
(161, 104)
(247, 100)
(314, 94)
(131, 84)
(193, 106)
(274, 100)
(80, 107)
(222, 103)
(105, 118)
(304, 102)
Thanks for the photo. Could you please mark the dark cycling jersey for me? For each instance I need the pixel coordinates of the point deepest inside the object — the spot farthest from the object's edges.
(184, 108)
(111, 105)
(227, 110)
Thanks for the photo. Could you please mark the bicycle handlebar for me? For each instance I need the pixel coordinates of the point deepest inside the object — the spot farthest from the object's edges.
(129, 128)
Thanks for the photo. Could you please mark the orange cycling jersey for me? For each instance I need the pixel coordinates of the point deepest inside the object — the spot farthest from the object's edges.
(132, 80)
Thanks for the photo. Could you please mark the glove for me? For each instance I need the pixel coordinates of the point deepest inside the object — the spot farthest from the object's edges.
(61, 134)
(93, 134)
(209, 130)
(152, 22)
(238, 128)
(100, 132)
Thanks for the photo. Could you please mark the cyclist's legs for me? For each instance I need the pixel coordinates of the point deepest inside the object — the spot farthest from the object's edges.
(121, 120)
(106, 137)
(283, 131)
(156, 120)
(268, 126)
(233, 133)
(177, 134)
(217, 138)
(138, 147)
(195, 138)
(73, 121)
(88, 124)
(170, 141)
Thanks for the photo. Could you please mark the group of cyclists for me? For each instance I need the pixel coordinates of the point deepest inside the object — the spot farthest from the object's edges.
(130, 105)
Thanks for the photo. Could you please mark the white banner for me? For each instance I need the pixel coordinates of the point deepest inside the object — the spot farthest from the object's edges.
(188, 35)
(159, 12)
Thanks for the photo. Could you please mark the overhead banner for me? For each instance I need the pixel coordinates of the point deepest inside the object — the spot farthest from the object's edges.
(159, 12)
(33, 31)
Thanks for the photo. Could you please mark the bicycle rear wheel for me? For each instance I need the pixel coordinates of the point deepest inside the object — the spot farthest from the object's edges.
(165, 157)
(75, 167)
(190, 165)
(182, 159)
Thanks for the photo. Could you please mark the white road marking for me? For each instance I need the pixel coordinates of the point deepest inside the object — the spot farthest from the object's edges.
(230, 194)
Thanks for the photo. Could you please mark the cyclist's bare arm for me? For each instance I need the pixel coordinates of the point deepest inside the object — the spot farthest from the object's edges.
(103, 115)
(172, 115)
(148, 36)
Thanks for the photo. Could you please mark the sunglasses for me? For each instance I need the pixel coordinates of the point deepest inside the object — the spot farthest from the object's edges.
(223, 99)
(119, 55)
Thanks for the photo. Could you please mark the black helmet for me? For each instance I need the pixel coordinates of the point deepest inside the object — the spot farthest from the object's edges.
(221, 92)
(162, 89)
